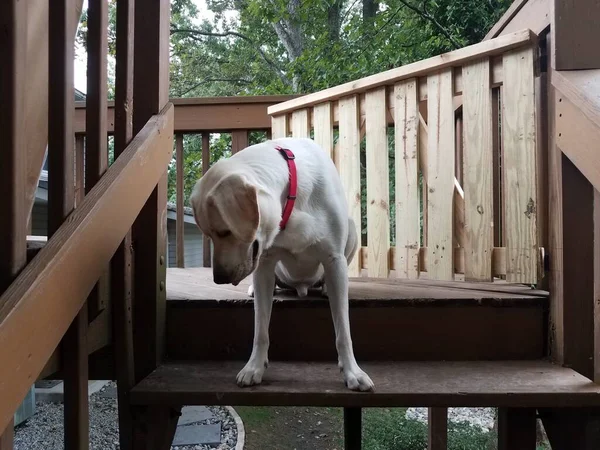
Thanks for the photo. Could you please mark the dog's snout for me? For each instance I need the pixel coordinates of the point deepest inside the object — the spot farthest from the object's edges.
(221, 276)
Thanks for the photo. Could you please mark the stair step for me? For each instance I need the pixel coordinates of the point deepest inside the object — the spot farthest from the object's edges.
(397, 384)
(391, 320)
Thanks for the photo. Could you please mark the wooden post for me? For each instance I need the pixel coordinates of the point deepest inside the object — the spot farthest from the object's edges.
(13, 160)
(61, 201)
(437, 422)
(206, 252)
(96, 161)
(352, 428)
(122, 262)
(576, 32)
(239, 140)
(180, 224)
(516, 429)
(79, 169)
(150, 95)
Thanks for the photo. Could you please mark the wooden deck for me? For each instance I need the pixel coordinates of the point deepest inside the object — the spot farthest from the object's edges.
(197, 284)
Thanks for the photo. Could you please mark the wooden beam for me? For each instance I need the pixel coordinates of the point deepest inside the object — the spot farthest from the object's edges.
(13, 160)
(151, 93)
(437, 424)
(155, 426)
(352, 428)
(596, 286)
(28, 337)
(532, 14)
(576, 34)
(239, 140)
(423, 67)
(180, 224)
(516, 429)
(206, 252)
(122, 270)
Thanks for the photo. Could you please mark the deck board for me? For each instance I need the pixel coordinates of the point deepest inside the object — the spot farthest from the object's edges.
(197, 284)
(442, 384)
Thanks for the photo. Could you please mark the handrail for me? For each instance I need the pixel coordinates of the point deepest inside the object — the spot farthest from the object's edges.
(418, 68)
(38, 307)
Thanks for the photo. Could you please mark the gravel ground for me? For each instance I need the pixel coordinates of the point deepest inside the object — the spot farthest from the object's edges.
(44, 431)
(482, 418)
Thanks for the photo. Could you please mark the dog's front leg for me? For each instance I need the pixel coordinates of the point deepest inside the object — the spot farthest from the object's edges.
(263, 280)
(336, 280)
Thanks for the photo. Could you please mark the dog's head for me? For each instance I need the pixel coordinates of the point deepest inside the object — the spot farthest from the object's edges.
(226, 210)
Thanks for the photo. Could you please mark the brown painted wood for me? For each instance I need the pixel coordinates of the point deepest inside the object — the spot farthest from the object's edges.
(578, 269)
(572, 429)
(151, 91)
(437, 423)
(516, 429)
(154, 427)
(180, 224)
(122, 263)
(352, 428)
(596, 286)
(96, 157)
(61, 201)
(239, 140)
(576, 32)
(30, 337)
(397, 384)
(13, 160)
(206, 251)
(79, 169)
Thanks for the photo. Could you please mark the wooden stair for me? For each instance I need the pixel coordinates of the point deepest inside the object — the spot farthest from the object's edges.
(416, 383)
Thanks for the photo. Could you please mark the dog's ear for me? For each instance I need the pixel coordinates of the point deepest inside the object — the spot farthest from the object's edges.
(237, 204)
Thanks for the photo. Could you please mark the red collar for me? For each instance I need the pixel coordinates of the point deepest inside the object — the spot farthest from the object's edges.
(291, 198)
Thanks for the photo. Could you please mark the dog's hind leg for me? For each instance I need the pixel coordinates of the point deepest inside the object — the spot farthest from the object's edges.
(263, 282)
(336, 277)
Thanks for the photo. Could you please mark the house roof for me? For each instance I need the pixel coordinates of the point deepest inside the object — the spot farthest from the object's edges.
(171, 206)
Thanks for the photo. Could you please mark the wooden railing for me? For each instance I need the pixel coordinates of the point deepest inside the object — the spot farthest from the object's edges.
(464, 161)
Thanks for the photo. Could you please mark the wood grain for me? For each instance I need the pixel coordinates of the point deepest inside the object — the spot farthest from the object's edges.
(378, 190)
(576, 33)
(440, 174)
(349, 164)
(478, 170)
(279, 127)
(516, 428)
(401, 384)
(301, 123)
(596, 286)
(180, 226)
(206, 249)
(239, 140)
(406, 119)
(323, 126)
(520, 174)
(437, 423)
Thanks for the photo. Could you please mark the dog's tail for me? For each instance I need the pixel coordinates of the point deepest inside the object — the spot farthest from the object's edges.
(352, 242)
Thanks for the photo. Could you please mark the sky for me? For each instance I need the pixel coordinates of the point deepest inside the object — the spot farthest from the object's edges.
(80, 59)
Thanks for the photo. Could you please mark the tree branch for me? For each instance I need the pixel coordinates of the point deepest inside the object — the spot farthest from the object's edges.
(241, 36)
(425, 15)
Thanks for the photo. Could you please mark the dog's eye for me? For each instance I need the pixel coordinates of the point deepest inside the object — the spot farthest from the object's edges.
(254, 249)
(223, 234)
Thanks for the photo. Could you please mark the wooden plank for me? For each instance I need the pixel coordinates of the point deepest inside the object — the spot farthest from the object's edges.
(13, 160)
(122, 262)
(155, 426)
(96, 157)
(301, 123)
(206, 252)
(541, 107)
(516, 429)
(437, 423)
(423, 67)
(180, 219)
(239, 141)
(578, 270)
(532, 14)
(575, 34)
(430, 384)
(279, 127)
(407, 130)
(519, 159)
(440, 177)
(79, 168)
(349, 164)
(352, 428)
(478, 170)
(596, 286)
(150, 95)
(378, 186)
(23, 330)
(581, 87)
(323, 125)
(508, 15)
(61, 201)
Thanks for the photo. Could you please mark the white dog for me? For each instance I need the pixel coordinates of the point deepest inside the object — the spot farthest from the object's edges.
(239, 204)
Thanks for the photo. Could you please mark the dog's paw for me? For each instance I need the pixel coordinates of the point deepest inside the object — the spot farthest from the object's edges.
(251, 374)
(302, 291)
(358, 380)
(251, 290)
(324, 290)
